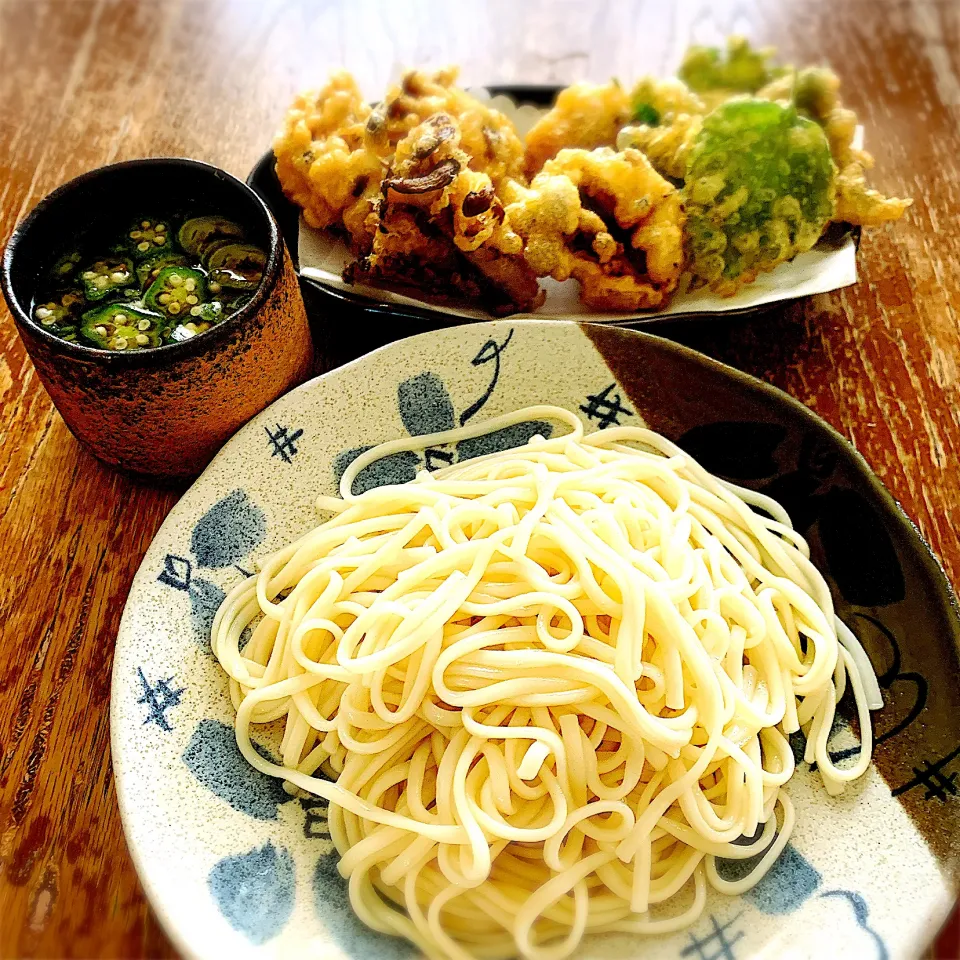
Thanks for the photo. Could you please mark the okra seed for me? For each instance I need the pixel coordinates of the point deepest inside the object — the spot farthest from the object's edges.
(192, 298)
(144, 224)
(119, 317)
(195, 311)
(214, 287)
(143, 246)
(43, 313)
(120, 343)
(142, 339)
(159, 241)
(102, 331)
(143, 325)
(135, 234)
(101, 282)
(175, 279)
(190, 283)
(174, 307)
(161, 228)
(164, 298)
(88, 274)
(118, 277)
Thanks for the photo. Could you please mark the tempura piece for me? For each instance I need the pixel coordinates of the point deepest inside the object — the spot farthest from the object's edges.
(655, 101)
(585, 116)
(547, 215)
(441, 227)
(666, 147)
(718, 74)
(487, 136)
(324, 163)
(608, 220)
(759, 190)
(816, 93)
(857, 203)
(669, 116)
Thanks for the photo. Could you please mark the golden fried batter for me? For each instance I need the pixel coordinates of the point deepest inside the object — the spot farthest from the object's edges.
(816, 93)
(857, 203)
(488, 137)
(607, 219)
(442, 228)
(670, 116)
(655, 100)
(673, 120)
(547, 214)
(718, 74)
(324, 164)
(586, 115)
(666, 146)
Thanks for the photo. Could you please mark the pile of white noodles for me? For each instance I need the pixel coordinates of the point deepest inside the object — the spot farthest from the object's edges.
(544, 689)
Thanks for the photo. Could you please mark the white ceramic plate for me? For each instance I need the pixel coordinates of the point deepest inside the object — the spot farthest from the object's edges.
(236, 868)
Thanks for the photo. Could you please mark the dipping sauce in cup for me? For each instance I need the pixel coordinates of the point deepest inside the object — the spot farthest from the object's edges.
(160, 308)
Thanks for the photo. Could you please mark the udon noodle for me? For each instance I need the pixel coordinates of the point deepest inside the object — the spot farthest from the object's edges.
(544, 691)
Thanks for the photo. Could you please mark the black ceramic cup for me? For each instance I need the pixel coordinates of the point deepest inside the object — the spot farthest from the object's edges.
(162, 412)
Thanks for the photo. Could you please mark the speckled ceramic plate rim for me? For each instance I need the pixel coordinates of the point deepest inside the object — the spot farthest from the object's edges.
(128, 810)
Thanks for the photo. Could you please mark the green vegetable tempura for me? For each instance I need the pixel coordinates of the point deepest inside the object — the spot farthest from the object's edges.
(738, 68)
(759, 190)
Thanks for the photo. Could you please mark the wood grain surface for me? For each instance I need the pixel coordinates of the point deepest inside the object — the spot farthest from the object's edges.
(88, 82)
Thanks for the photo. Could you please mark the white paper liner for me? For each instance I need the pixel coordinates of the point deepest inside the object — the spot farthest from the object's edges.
(828, 266)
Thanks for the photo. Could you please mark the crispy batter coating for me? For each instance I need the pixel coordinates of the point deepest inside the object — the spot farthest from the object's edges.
(657, 100)
(547, 215)
(738, 69)
(816, 93)
(488, 137)
(324, 163)
(607, 219)
(759, 190)
(585, 116)
(666, 146)
(672, 118)
(857, 203)
(442, 228)
(430, 184)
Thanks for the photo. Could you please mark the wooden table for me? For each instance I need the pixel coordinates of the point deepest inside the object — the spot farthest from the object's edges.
(84, 83)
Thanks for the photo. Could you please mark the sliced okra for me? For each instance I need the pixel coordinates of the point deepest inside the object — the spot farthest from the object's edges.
(175, 291)
(64, 270)
(119, 326)
(59, 312)
(149, 270)
(107, 277)
(147, 237)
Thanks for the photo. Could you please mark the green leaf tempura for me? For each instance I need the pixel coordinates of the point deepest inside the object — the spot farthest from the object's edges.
(739, 68)
(759, 190)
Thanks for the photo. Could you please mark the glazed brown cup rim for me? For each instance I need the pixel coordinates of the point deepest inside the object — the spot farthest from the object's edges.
(155, 356)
